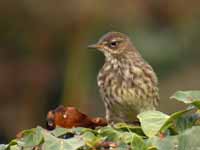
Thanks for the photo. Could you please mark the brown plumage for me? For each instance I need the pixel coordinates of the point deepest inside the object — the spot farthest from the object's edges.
(127, 83)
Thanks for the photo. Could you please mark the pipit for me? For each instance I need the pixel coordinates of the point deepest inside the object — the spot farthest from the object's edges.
(127, 83)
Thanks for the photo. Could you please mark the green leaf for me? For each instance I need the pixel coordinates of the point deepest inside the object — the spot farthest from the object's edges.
(81, 130)
(60, 131)
(112, 134)
(189, 140)
(138, 143)
(123, 146)
(186, 122)
(126, 137)
(152, 121)
(54, 143)
(3, 146)
(31, 138)
(91, 139)
(109, 133)
(168, 143)
(172, 118)
(130, 128)
(188, 97)
(196, 103)
(15, 147)
(13, 142)
(152, 148)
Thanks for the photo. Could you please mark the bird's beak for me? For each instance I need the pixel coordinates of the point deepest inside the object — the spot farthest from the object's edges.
(95, 46)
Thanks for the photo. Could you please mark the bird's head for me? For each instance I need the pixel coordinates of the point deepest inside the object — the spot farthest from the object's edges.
(112, 43)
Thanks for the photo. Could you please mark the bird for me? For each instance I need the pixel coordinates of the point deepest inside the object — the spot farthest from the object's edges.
(127, 83)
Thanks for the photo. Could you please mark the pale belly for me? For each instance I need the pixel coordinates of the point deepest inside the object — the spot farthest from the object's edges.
(125, 106)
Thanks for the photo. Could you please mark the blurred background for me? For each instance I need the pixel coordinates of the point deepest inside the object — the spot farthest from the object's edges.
(44, 60)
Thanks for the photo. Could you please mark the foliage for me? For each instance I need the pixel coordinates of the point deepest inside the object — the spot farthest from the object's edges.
(158, 131)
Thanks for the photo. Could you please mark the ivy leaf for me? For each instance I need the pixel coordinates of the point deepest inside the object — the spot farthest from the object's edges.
(12, 143)
(112, 134)
(172, 118)
(52, 142)
(189, 139)
(138, 143)
(168, 143)
(188, 97)
(129, 128)
(109, 133)
(17, 147)
(91, 139)
(123, 146)
(3, 146)
(31, 138)
(152, 121)
(81, 130)
(60, 131)
(186, 122)
(152, 148)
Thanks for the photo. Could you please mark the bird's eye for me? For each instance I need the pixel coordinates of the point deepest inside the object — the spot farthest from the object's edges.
(113, 44)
